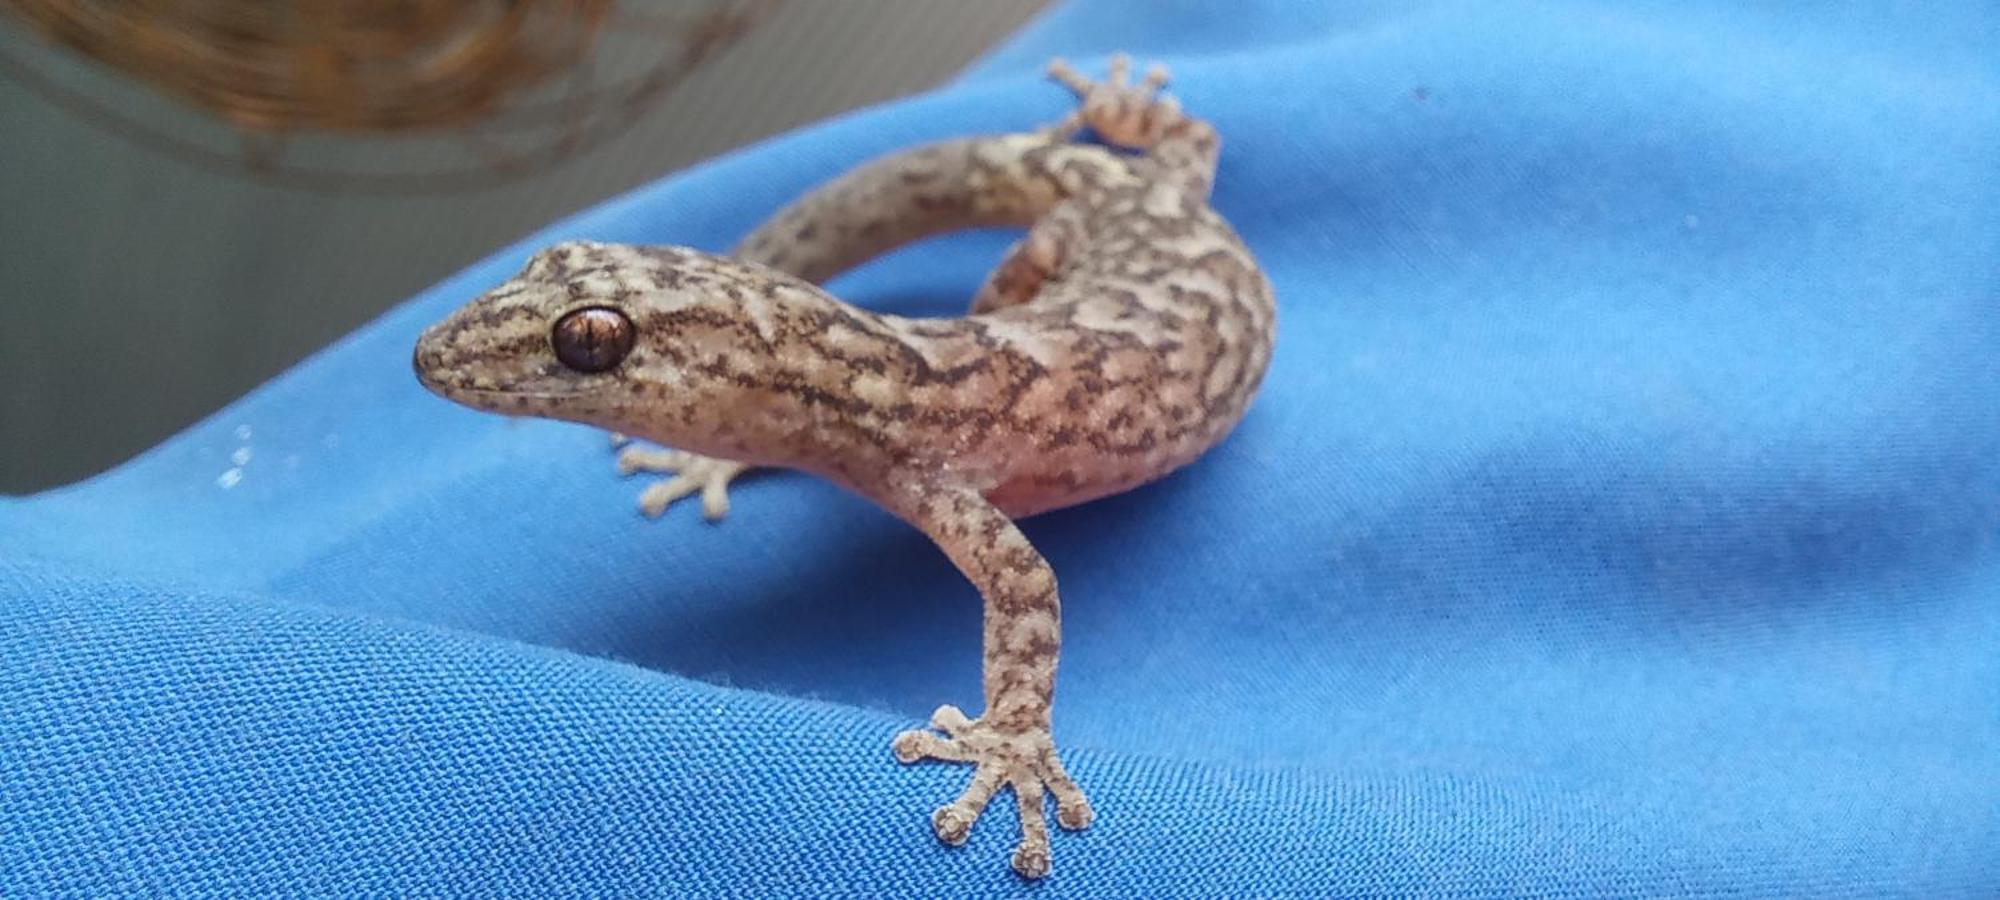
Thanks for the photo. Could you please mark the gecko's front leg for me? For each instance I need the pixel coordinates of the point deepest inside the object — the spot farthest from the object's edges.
(1009, 744)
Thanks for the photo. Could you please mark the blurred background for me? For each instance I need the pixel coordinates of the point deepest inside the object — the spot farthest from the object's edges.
(165, 249)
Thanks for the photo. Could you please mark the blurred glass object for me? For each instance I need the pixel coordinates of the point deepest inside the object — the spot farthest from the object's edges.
(466, 92)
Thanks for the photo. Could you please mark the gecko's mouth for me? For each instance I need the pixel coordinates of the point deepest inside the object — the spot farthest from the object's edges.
(511, 399)
(435, 371)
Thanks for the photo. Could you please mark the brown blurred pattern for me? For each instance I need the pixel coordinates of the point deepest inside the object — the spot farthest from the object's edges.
(135, 290)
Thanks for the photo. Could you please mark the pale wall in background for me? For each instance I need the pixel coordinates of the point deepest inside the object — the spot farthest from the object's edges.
(138, 294)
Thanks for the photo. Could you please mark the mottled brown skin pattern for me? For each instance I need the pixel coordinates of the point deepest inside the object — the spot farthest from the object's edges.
(1118, 340)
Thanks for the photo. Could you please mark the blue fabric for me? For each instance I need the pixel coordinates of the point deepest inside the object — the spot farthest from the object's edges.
(1619, 517)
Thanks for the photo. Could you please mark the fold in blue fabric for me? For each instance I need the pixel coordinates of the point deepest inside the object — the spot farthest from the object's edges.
(1618, 517)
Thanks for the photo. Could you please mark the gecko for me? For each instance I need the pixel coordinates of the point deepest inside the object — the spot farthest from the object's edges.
(1123, 335)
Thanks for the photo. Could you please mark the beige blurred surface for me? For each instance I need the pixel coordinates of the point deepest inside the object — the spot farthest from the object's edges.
(138, 293)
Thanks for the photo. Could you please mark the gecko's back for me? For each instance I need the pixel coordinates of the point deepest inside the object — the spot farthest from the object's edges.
(1145, 353)
(1117, 342)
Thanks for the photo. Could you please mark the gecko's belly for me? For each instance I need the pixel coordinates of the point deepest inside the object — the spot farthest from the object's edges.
(1126, 422)
(1040, 480)
(1022, 498)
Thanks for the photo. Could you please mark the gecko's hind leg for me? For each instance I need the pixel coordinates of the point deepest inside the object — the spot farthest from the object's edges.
(1123, 113)
(692, 473)
(1041, 255)
(1139, 117)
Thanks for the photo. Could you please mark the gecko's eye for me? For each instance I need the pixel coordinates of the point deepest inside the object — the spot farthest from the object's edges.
(592, 339)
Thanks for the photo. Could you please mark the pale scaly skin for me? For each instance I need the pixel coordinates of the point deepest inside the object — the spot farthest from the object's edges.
(1123, 336)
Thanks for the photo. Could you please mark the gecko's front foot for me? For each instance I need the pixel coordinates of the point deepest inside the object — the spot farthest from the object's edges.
(692, 473)
(1023, 759)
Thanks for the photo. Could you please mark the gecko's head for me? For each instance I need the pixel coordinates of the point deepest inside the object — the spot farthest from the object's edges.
(586, 332)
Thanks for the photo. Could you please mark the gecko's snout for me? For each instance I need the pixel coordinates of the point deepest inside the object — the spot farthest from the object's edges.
(427, 360)
(442, 368)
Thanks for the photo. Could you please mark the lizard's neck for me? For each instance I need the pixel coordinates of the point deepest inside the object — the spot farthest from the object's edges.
(785, 376)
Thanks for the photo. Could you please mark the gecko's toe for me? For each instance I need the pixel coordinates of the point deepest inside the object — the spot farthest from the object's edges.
(1120, 66)
(911, 746)
(1065, 74)
(655, 499)
(949, 719)
(951, 824)
(1074, 816)
(1031, 862)
(1073, 810)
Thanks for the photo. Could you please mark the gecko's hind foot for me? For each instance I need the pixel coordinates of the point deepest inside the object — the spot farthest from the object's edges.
(1126, 114)
(1023, 759)
(691, 473)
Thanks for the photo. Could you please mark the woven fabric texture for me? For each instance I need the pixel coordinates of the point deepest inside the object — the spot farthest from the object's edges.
(1618, 517)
